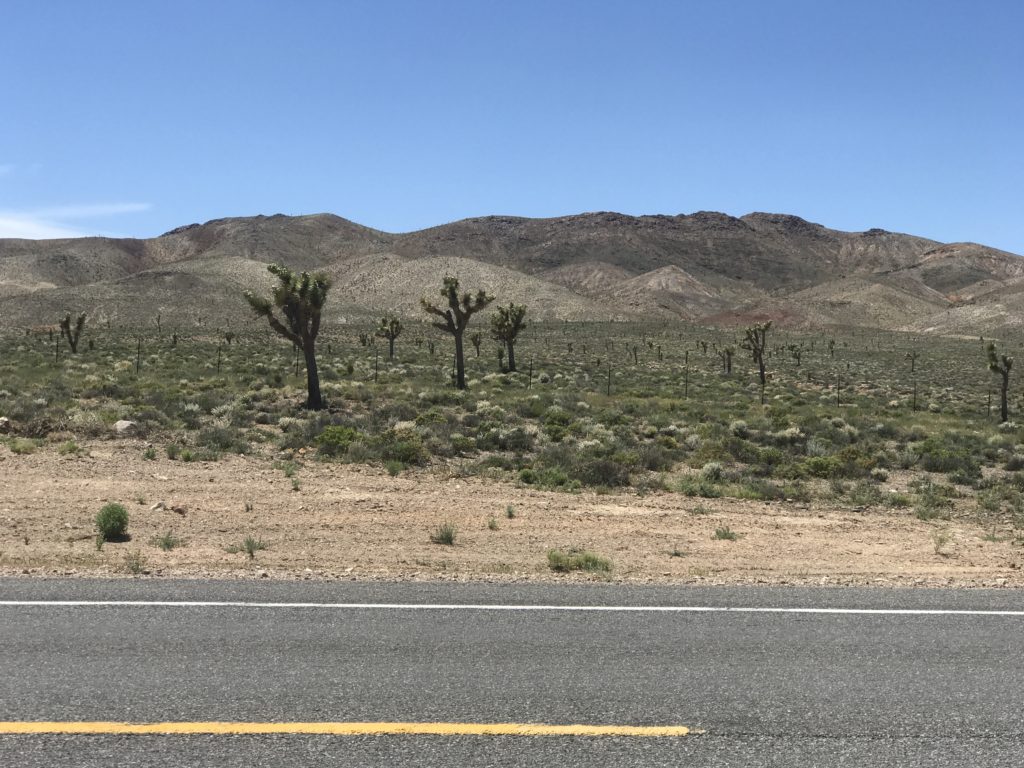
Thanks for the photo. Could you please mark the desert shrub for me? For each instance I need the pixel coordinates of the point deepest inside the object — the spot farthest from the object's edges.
(759, 489)
(228, 439)
(654, 457)
(335, 440)
(825, 467)
(404, 446)
(112, 522)
(577, 560)
(932, 501)
(360, 452)
(865, 494)
(593, 472)
(698, 486)
(431, 416)
(940, 456)
(444, 534)
(549, 477)
(462, 445)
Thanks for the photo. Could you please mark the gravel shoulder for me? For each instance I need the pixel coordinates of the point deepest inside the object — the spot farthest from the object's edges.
(356, 522)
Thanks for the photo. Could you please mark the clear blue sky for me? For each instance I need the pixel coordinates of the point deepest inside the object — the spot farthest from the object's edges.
(130, 118)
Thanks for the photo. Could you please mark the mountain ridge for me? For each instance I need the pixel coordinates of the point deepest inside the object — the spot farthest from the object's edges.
(704, 267)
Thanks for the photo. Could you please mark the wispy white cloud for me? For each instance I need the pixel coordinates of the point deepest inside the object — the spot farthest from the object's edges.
(32, 228)
(89, 211)
(49, 223)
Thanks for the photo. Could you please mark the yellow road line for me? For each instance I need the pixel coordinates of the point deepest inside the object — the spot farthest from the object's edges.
(342, 729)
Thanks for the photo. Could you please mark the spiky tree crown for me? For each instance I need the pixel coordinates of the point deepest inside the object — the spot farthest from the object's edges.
(390, 327)
(998, 363)
(461, 306)
(507, 322)
(756, 337)
(300, 298)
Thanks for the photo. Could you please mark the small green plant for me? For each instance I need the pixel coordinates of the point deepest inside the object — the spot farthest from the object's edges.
(444, 534)
(492, 524)
(725, 533)
(676, 552)
(932, 503)
(134, 563)
(295, 483)
(510, 512)
(250, 545)
(940, 538)
(22, 446)
(149, 454)
(166, 541)
(577, 560)
(112, 522)
(173, 450)
(69, 448)
(393, 467)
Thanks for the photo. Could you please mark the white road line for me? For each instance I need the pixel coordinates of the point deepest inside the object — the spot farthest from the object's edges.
(511, 608)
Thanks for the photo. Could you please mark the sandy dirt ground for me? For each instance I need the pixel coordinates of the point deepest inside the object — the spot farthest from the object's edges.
(355, 522)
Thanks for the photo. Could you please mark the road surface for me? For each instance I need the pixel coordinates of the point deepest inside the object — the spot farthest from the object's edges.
(758, 677)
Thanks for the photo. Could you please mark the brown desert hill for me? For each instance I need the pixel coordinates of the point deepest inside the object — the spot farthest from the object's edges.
(705, 267)
(391, 283)
(301, 242)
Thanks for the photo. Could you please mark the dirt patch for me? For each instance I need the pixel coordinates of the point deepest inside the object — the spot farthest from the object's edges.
(355, 522)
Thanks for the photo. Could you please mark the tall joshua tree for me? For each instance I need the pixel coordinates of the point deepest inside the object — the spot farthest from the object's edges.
(757, 344)
(1000, 364)
(72, 335)
(301, 299)
(455, 318)
(506, 324)
(390, 328)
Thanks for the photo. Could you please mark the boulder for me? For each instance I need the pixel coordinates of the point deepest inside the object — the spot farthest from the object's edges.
(125, 427)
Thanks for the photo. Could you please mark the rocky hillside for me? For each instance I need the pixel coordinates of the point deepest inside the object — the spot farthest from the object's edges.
(705, 267)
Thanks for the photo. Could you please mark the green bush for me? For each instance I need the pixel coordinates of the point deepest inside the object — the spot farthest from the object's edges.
(825, 467)
(699, 486)
(335, 441)
(577, 560)
(404, 446)
(112, 522)
(444, 534)
(601, 472)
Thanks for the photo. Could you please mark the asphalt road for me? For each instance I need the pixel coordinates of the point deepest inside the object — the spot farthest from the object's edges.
(766, 687)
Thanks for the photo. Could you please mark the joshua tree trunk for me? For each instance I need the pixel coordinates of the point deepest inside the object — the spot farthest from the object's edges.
(1004, 385)
(511, 356)
(314, 401)
(460, 363)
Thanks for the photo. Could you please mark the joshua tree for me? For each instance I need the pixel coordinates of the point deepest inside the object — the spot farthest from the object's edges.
(1000, 364)
(72, 335)
(476, 339)
(301, 299)
(912, 357)
(390, 328)
(726, 354)
(454, 319)
(229, 337)
(756, 343)
(506, 324)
